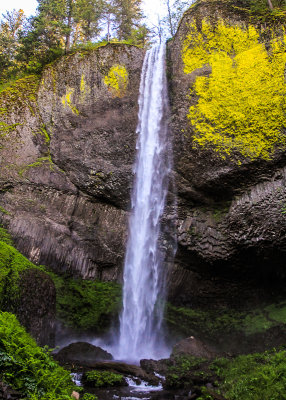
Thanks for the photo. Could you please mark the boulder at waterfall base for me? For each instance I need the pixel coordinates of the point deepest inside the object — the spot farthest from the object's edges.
(81, 353)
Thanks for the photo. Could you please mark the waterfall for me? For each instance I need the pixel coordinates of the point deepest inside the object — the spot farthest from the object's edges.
(144, 276)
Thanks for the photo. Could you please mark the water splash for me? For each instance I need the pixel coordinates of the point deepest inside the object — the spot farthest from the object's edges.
(144, 276)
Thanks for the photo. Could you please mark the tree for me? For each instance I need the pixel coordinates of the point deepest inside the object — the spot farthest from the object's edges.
(87, 15)
(127, 17)
(174, 12)
(10, 29)
(140, 36)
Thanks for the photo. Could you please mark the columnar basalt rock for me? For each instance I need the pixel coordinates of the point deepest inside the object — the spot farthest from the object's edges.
(230, 173)
(66, 160)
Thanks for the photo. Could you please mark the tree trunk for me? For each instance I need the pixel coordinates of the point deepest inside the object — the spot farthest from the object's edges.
(170, 17)
(69, 23)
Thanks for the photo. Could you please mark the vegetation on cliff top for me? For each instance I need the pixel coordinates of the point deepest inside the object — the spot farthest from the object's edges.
(240, 111)
(26, 45)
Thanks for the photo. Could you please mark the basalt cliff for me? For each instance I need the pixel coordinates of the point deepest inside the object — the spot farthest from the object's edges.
(67, 149)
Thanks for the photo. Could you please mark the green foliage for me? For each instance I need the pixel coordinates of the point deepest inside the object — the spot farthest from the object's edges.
(28, 368)
(11, 26)
(82, 304)
(4, 235)
(88, 396)
(241, 104)
(127, 16)
(253, 376)
(213, 322)
(103, 379)
(60, 26)
(85, 304)
(183, 369)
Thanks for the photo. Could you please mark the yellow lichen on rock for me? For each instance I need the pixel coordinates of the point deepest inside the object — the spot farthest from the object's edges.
(199, 45)
(241, 105)
(84, 88)
(67, 100)
(117, 80)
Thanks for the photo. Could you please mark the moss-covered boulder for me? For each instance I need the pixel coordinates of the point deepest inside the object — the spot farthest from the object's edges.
(98, 379)
(29, 292)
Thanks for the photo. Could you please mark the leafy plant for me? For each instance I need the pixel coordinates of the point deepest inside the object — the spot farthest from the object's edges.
(28, 368)
(254, 376)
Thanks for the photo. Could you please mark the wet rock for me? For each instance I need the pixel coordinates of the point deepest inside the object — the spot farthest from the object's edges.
(193, 347)
(81, 353)
(7, 393)
(35, 306)
(125, 369)
(158, 366)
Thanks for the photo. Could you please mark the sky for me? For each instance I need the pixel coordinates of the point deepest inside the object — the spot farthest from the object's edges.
(151, 8)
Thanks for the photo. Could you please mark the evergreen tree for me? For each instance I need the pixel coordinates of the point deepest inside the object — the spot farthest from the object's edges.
(87, 15)
(127, 16)
(10, 30)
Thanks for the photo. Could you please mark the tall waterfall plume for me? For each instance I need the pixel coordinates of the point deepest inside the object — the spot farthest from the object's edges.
(144, 274)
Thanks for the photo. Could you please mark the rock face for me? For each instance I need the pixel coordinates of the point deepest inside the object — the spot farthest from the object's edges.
(37, 305)
(229, 170)
(67, 150)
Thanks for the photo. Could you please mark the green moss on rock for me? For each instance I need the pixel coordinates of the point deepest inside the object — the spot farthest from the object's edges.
(21, 92)
(12, 263)
(4, 235)
(67, 100)
(214, 323)
(86, 304)
(103, 379)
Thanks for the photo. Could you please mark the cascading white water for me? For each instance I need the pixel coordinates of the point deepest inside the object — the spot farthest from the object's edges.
(143, 291)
